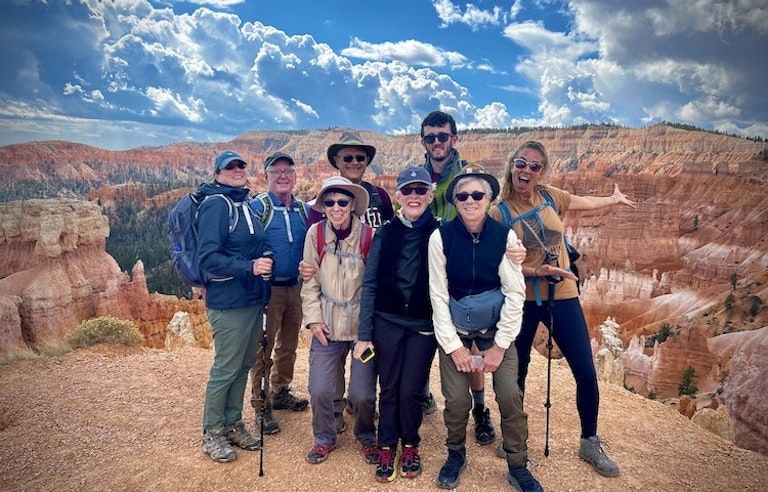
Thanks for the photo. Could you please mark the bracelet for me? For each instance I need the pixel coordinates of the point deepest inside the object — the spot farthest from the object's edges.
(613, 200)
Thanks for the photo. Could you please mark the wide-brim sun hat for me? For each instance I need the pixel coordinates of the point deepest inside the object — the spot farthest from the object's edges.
(349, 139)
(341, 183)
(475, 171)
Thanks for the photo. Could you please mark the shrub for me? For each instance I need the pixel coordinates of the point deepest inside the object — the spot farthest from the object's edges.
(104, 330)
(687, 384)
(729, 301)
(652, 394)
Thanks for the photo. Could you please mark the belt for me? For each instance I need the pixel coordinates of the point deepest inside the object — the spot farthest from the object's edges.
(285, 282)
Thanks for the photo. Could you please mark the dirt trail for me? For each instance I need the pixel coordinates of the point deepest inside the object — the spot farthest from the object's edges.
(111, 418)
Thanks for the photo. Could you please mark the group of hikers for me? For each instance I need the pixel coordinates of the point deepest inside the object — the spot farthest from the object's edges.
(461, 265)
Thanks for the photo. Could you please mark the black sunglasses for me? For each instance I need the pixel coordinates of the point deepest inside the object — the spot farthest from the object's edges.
(442, 137)
(358, 158)
(476, 196)
(420, 190)
(330, 203)
(535, 166)
(235, 164)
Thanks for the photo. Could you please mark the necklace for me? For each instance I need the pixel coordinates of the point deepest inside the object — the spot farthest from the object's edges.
(475, 237)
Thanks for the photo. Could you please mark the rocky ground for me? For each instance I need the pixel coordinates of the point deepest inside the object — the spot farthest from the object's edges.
(114, 418)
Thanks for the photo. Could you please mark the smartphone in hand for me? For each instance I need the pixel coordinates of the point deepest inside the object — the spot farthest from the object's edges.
(367, 355)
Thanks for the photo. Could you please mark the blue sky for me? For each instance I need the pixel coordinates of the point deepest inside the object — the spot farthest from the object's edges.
(120, 74)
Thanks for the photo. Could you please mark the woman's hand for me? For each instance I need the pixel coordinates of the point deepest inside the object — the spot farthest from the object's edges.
(492, 358)
(517, 253)
(319, 331)
(463, 360)
(360, 347)
(306, 271)
(262, 266)
(549, 270)
(619, 197)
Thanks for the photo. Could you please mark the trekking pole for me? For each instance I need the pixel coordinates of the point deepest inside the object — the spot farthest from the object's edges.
(551, 329)
(263, 393)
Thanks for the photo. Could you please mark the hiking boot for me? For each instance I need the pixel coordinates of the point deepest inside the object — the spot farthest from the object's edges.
(386, 469)
(239, 436)
(216, 446)
(410, 462)
(484, 432)
(591, 451)
(450, 473)
(339, 423)
(522, 480)
(371, 453)
(286, 400)
(428, 405)
(271, 426)
(319, 452)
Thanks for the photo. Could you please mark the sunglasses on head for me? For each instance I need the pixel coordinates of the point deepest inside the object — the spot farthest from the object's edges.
(235, 164)
(358, 158)
(442, 137)
(420, 190)
(476, 196)
(330, 203)
(535, 166)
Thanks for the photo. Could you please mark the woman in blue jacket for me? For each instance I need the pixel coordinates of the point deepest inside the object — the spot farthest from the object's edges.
(231, 244)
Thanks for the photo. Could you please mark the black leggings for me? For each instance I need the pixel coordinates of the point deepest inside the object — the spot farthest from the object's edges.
(572, 338)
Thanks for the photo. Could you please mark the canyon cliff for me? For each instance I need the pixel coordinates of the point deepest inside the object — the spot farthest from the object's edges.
(692, 256)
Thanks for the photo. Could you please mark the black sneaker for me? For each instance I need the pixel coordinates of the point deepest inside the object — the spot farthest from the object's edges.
(285, 400)
(428, 405)
(386, 469)
(410, 462)
(450, 473)
(484, 432)
(522, 480)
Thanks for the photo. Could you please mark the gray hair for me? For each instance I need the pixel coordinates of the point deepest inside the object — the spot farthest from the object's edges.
(486, 186)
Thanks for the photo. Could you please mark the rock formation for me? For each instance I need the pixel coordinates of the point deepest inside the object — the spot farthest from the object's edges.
(56, 273)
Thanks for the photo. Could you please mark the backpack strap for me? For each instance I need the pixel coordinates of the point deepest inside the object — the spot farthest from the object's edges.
(366, 238)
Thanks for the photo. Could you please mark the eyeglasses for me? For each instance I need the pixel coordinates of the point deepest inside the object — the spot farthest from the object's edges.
(235, 164)
(535, 166)
(277, 172)
(358, 158)
(330, 203)
(476, 196)
(442, 137)
(420, 190)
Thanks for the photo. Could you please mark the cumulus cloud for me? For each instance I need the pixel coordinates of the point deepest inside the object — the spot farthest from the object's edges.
(209, 72)
(411, 52)
(474, 17)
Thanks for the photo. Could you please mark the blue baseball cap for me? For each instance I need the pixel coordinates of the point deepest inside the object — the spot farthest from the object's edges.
(225, 158)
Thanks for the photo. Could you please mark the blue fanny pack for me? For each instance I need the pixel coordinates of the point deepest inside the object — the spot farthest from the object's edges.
(477, 313)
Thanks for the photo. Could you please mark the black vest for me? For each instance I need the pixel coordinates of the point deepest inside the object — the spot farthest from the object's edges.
(473, 268)
(389, 298)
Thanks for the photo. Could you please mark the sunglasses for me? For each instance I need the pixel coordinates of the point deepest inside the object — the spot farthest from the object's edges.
(358, 158)
(476, 196)
(536, 167)
(235, 164)
(330, 203)
(420, 190)
(278, 172)
(442, 137)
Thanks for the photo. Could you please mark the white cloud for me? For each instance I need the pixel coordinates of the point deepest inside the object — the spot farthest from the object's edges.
(411, 52)
(474, 17)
